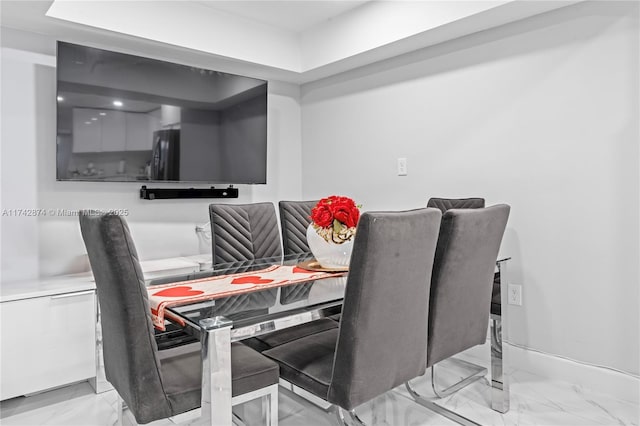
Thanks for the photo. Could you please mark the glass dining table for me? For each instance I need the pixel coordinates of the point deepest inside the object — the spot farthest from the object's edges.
(231, 318)
(219, 321)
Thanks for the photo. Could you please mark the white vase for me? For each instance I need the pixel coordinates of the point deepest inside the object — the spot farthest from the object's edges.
(329, 254)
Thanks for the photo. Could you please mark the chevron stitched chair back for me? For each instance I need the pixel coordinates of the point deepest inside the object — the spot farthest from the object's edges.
(445, 204)
(242, 232)
(295, 217)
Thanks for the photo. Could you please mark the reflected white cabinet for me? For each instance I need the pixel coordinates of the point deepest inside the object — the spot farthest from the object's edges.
(113, 126)
(97, 130)
(140, 128)
(87, 133)
(47, 341)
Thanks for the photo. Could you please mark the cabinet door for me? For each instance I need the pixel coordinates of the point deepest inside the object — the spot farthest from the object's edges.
(86, 131)
(113, 130)
(47, 342)
(139, 132)
(155, 124)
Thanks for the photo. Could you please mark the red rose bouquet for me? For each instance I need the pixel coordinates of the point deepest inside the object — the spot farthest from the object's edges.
(335, 218)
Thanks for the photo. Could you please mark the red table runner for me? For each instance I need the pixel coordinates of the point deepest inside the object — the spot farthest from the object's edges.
(186, 292)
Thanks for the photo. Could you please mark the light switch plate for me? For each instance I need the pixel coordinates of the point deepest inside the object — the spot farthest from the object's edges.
(402, 166)
(515, 294)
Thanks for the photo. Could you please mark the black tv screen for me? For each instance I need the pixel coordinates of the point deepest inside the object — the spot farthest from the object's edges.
(128, 118)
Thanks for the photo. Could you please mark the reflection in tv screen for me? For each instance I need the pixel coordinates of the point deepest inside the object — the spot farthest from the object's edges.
(128, 118)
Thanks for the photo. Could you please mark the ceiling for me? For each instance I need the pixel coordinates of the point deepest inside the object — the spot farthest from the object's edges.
(298, 41)
(296, 16)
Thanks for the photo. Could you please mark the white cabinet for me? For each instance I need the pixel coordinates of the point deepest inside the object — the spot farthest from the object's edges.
(97, 130)
(87, 132)
(47, 341)
(48, 329)
(170, 116)
(113, 126)
(139, 131)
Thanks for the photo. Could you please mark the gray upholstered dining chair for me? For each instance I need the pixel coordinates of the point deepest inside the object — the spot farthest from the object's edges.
(242, 232)
(295, 217)
(382, 339)
(245, 232)
(476, 371)
(461, 286)
(294, 220)
(155, 384)
(445, 204)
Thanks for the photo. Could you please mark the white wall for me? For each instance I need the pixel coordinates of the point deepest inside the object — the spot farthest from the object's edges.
(49, 245)
(541, 114)
(206, 29)
(379, 23)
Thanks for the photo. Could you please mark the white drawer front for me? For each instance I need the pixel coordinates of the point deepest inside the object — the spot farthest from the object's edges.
(47, 342)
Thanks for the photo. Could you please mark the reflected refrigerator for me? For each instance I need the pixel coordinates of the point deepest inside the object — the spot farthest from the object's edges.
(165, 160)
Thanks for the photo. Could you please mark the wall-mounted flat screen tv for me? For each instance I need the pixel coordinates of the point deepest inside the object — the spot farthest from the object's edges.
(128, 118)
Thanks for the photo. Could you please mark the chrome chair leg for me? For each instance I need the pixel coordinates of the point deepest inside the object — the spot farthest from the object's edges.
(236, 420)
(269, 404)
(478, 373)
(354, 417)
(430, 405)
(270, 407)
(340, 416)
(340, 412)
(119, 409)
(379, 410)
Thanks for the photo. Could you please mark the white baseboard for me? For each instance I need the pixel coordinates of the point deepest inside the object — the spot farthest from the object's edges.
(618, 385)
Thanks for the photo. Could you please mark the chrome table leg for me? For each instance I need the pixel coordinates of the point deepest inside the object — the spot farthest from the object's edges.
(216, 370)
(499, 351)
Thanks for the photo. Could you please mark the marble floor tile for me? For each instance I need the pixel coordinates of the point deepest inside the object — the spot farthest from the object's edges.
(576, 399)
(71, 405)
(534, 401)
(388, 410)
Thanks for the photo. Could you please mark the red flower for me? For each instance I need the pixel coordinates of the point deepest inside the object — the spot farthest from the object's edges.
(346, 212)
(321, 214)
(342, 209)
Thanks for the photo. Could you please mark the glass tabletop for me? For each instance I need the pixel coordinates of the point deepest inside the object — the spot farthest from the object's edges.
(262, 306)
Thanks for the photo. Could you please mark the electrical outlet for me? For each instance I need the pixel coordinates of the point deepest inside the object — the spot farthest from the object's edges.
(515, 294)
(402, 166)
